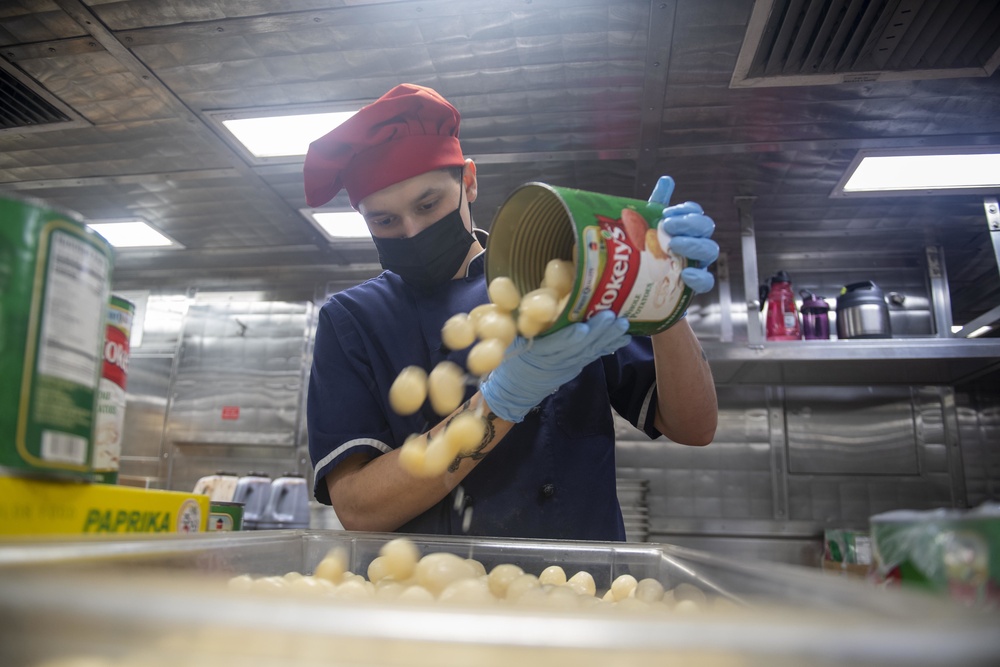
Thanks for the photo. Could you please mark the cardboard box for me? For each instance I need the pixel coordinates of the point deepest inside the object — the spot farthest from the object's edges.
(48, 507)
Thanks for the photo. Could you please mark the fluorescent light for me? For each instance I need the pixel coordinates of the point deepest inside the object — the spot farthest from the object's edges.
(131, 234)
(338, 225)
(927, 171)
(283, 136)
(980, 331)
(955, 328)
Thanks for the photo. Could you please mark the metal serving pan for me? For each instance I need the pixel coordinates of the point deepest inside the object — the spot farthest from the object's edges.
(164, 601)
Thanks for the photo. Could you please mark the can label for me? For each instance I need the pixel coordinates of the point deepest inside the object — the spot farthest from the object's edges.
(620, 263)
(626, 273)
(110, 418)
(224, 516)
(54, 278)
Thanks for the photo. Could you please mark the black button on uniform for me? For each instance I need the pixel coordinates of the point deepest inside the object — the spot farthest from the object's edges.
(548, 490)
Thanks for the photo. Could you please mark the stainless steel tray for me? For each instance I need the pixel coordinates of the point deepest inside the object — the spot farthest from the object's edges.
(130, 602)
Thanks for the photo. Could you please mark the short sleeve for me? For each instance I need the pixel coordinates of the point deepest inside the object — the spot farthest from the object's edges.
(344, 414)
(631, 378)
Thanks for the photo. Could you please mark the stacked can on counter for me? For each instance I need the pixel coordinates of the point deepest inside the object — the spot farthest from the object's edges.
(110, 418)
(55, 277)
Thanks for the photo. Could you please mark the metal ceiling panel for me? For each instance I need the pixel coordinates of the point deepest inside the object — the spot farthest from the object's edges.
(603, 95)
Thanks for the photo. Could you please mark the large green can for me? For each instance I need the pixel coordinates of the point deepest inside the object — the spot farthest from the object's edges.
(55, 277)
(612, 241)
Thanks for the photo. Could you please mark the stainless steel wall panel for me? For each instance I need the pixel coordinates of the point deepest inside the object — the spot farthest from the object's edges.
(730, 478)
(851, 430)
(239, 373)
(851, 501)
(738, 490)
(978, 417)
(146, 405)
(161, 327)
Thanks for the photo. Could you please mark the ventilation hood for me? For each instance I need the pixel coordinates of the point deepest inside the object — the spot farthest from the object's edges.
(811, 42)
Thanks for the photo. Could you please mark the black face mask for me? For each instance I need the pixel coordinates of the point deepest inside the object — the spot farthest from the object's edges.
(433, 256)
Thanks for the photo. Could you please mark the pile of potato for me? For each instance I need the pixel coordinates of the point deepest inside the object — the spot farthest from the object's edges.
(400, 573)
(494, 325)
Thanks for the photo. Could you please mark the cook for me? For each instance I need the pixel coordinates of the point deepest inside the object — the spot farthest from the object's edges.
(546, 465)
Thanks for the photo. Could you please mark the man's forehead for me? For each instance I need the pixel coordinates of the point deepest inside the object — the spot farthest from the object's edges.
(407, 192)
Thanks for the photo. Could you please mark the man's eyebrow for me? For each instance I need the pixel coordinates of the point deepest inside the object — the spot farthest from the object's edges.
(431, 190)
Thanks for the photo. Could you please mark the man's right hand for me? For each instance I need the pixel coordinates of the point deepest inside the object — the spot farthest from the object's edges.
(533, 369)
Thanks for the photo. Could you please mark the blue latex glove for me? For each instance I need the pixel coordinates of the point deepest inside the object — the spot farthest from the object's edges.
(531, 370)
(686, 229)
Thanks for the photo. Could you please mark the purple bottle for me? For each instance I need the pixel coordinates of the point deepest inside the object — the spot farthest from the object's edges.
(815, 316)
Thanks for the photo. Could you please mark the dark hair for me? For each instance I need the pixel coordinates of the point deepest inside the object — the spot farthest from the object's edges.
(455, 172)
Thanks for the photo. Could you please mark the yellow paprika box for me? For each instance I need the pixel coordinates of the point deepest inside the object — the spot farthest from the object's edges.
(47, 507)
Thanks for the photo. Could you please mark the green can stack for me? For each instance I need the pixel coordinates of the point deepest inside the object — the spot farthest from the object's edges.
(55, 277)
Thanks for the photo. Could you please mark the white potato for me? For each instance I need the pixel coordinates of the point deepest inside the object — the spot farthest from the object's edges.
(415, 593)
(623, 586)
(553, 575)
(649, 590)
(465, 432)
(539, 305)
(408, 391)
(476, 313)
(446, 387)
(583, 582)
(486, 355)
(497, 325)
(413, 456)
(333, 566)
(435, 571)
(458, 332)
(504, 293)
(401, 556)
(560, 274)
(467, 591)
(439, 455)
(378, 569)
(500, 577)
(530, 328)
(520, 585)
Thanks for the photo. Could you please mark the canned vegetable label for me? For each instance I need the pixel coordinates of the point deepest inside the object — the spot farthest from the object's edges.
(225, 516)
(620, 264)
(110, 418)
(54, 281)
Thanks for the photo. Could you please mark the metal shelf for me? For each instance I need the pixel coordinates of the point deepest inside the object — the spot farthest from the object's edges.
(901, 361)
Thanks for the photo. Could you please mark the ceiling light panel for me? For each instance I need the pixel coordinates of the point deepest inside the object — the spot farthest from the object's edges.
(921, 172)
(125, 234)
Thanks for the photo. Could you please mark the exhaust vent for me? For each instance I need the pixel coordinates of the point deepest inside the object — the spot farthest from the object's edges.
(25, 106)
(811, 42)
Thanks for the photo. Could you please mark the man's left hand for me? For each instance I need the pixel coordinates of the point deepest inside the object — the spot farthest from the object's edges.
(686, 229)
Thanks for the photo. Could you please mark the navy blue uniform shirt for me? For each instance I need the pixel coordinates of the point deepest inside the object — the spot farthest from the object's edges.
(552, 476)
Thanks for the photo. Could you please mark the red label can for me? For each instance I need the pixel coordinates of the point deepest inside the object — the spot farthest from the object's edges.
(111, 397)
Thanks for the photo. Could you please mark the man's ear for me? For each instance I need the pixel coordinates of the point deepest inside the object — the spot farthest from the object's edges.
(469, 181)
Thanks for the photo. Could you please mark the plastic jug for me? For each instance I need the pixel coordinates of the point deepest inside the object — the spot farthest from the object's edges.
(219, 487)
(287, 505)
(815, 316)
(253, 490)
(782, 317)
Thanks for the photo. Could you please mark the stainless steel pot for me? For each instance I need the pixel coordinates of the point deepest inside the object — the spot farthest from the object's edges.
(862, 312)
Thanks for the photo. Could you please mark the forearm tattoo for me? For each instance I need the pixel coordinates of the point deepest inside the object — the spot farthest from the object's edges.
(477, 454)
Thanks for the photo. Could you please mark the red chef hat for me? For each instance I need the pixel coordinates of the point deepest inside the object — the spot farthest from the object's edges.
(407, 132)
